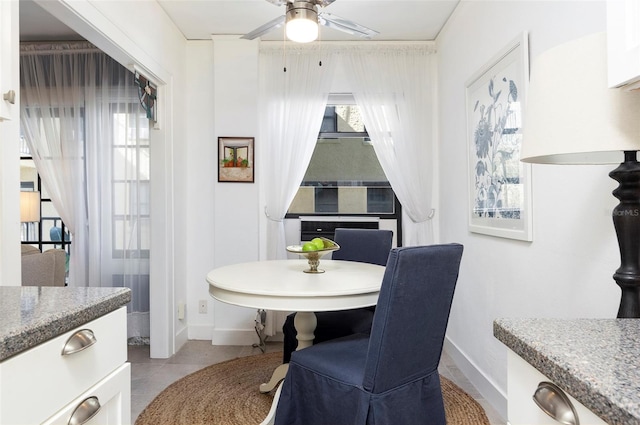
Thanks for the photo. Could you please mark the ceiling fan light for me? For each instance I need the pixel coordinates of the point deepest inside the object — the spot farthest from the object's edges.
(302, 30)
(302, 22)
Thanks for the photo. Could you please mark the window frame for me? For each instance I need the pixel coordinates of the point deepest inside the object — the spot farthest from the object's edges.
(348, 99)
(138, 183)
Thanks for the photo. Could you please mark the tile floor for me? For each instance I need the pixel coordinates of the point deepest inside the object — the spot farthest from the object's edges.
(150, 376)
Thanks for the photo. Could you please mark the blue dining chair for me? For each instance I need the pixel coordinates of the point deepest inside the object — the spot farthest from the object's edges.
(390, 376)
(363, 245)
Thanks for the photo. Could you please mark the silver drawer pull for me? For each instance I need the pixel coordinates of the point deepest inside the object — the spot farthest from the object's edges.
(85, 411)
(555, 403)
(80, 340)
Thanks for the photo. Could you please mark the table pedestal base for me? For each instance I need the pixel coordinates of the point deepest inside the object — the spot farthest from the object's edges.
(277, 376)
(305, 323)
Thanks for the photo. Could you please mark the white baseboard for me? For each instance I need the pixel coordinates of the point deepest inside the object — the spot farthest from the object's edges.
(181, 338)
(234, 337)
(200, 332)
(227, 336)
(486, 387)
(223, 336)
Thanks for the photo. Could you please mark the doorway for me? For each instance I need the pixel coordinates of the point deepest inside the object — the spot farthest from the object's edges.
(120, 213)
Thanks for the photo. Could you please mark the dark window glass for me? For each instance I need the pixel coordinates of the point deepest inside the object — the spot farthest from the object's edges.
(329, 120)
(380, 200)
(326, 199)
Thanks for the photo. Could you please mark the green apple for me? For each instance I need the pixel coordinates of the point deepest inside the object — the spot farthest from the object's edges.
(319, 243)
(309, 246)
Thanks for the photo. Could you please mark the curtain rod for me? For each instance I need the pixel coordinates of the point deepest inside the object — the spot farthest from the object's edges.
(428, 46)
(356, 43)
(57, 47)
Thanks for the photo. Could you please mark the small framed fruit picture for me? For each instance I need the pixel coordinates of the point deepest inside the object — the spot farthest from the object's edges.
(235, 159)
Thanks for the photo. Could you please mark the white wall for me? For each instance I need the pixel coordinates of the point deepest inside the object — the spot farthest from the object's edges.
(201, 150)
(223, 217)
(567, 270)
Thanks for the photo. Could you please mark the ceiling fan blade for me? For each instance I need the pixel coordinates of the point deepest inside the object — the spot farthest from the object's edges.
(323, 3)
(269, 26)
(277, 2)
(336, 22)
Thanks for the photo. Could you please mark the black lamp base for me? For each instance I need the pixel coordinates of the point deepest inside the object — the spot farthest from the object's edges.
(626, 220)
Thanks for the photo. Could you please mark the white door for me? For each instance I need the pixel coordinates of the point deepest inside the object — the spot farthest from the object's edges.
(9, 144)
(8, 37)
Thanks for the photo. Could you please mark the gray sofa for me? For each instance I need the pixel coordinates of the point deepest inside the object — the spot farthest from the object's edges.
(43, 268)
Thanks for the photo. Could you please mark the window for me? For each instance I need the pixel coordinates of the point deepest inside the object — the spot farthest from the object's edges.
(131, 185)
(130, 191)
(344, 176)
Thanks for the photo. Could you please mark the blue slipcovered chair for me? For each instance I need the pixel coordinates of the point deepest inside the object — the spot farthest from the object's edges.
(390, 376)
(363, 245)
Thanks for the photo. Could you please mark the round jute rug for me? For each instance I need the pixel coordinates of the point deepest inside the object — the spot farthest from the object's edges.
(227, 394)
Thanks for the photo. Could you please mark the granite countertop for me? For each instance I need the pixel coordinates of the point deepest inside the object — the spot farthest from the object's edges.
(595, 360)
(30, 315)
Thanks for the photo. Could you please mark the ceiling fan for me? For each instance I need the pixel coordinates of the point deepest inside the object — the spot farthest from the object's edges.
(302, 19)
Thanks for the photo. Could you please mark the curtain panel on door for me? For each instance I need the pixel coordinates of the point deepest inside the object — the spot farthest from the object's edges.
(89, 138)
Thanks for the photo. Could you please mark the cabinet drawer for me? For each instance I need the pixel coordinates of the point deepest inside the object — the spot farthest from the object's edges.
(38, 382)
(111, 401)
(522, 381)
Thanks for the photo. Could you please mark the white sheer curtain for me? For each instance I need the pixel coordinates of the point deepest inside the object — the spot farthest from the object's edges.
(292, 105)
(52, 101)
(86, 131)
(394, 87)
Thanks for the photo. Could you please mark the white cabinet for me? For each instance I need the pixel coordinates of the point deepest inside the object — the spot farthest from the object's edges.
(623, 42)
(9, 40)
(45, 385)
(522, 382)
(103, 404)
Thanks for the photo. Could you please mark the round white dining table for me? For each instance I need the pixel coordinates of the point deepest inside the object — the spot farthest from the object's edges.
(282, 285)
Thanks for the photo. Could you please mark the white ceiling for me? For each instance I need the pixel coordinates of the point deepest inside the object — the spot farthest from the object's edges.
(36, 24)
(199, 19)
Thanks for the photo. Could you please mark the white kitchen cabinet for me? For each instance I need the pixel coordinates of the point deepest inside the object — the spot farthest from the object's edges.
(103, 404)
(522, 381)
(9, 40)
(623, 43)
(43, 385)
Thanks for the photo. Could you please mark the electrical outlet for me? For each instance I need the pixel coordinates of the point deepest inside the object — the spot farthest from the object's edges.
(181, 311)
(202, 307)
